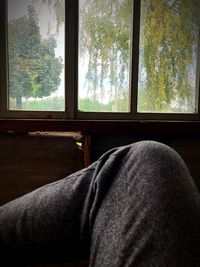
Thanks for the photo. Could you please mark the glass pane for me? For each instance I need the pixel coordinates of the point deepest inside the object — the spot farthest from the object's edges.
(105, 28)
(169, 36)
(36, 54)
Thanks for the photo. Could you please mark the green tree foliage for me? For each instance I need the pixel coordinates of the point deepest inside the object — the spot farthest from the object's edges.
(169, 39)
(169, 32)
(95, 106)
(168, 50)
(50, 103)
(105, 31)
(34, 70)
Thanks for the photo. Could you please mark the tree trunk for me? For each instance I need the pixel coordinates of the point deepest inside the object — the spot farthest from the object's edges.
(18, 102)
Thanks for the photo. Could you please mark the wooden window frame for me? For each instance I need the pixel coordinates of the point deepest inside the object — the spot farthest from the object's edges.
(72, 119)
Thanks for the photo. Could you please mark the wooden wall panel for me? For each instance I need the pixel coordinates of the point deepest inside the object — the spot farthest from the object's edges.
(29, 161)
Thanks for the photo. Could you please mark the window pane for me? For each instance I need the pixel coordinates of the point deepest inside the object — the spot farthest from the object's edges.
(104, 55)
(169, 36)
(36, 54)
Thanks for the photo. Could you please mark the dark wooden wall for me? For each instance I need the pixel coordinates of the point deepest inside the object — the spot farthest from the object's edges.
(28, 161)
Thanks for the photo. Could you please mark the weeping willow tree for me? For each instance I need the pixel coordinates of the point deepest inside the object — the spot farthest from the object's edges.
(105, 34)
(59, 8)
(169, 41)
(169, 33)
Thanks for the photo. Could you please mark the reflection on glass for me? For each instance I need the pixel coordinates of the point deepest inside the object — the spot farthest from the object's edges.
(36, 55)
(169, 31)
(104, 55)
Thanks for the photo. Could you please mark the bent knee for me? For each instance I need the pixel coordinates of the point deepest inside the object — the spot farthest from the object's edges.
(153, 151)
(151, 159)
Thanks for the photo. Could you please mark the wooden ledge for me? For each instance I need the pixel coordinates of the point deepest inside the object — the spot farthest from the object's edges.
(100, 126)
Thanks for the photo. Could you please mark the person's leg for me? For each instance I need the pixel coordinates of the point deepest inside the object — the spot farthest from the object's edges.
(138, 204)
(149, 215)
(51, 223)
(47, 225)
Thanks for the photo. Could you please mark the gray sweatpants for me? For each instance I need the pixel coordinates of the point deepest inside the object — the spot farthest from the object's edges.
(136, 206)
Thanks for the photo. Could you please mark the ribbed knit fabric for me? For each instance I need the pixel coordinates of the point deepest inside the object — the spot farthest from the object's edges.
(136, 206)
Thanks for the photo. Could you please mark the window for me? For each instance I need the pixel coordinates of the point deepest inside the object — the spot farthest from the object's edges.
(105, 34)
(35, 43)
(169, 37)
(100, 59)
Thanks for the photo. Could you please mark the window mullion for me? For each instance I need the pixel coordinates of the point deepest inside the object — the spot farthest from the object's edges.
(198, 76)
(3, 53)
(135, 56)
(71, 58)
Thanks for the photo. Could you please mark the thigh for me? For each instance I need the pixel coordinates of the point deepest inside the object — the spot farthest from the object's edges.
(48, 224)
(150, 216)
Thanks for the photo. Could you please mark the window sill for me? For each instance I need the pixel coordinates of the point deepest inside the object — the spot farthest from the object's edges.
(100, 126)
